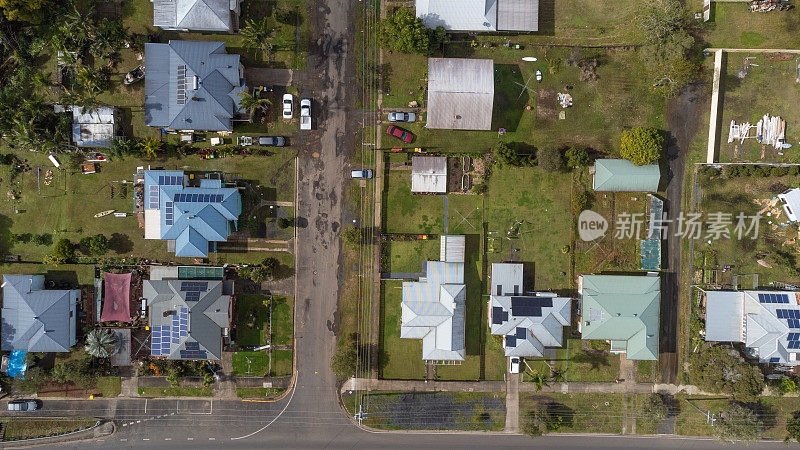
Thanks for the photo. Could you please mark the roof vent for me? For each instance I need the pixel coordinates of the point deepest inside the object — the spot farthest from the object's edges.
(195, 82)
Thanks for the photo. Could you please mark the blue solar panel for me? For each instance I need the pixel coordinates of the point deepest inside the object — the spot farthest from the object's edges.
(774, 360)
(794, 345)
(794, 323)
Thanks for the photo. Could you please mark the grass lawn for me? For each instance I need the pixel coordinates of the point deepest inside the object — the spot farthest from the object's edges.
(401, 358)
(732, 26)
(768, 88)
(542, 201)
(282, 320)
(582, 413)
(258, 364)
(409, 256)
(405, 212)
(258, 392)
(28, 428)
(109, 386)
(246, 306)
(646, 371)
(175, 392)
(281, 363)
(592, 364)
(404, 79)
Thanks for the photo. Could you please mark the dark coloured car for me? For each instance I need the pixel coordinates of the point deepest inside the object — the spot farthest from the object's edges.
(23, 405)
(271, 141)
(399, 133)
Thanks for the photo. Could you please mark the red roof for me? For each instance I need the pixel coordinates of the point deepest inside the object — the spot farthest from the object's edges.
(116, 304)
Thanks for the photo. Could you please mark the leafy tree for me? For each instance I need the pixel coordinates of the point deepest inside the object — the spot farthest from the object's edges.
(23, 238)
(101, 343)
(122, 147)
(652, 408)
(577, 157)
(720, 370)
(642, 145)
(150, 147)
(667, 46)
(270, 265)
(259, 274)
(541, 419)
(34, 377)
(64, 250)
(402, 31)
(248, 102)
(77, 371)
(788, 386)
(98, 245)
(511, 155)
(581, 200)
(550, 159)
(737, 423)
(257, 35)
(285, 222)
(793, 427)
(31, 11)
(345, 358)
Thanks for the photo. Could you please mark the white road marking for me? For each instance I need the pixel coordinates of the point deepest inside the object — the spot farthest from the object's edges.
(124, 424)
(145, 406)
(189, 439)
(145, 439)
(123, 440)
(167, 439)
(276, 417)
(138, 421)
(212, 439)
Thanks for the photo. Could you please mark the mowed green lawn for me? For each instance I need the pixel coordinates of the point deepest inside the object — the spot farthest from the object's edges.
(732, 26)
(246, 306)
(591, 364)
(251, 363)
(282, 320)
(409, 213)
(401, 358)
(581, 413)
(409, 256)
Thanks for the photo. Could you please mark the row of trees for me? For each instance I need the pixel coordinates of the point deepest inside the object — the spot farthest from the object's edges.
(64, 250)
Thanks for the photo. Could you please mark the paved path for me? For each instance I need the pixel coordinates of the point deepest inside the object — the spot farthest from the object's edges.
(512, 400)
(225, 387)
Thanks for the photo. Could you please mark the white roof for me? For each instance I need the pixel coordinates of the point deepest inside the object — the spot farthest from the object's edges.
(791, 207)
(429, 174)
(152, 224)
(451, 248)
(480, 15)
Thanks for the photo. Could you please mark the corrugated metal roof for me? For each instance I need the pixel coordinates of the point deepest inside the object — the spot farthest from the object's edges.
(170, 100)
(35, 319)
(203, 15)
(623, 175)
(429, 174)
(451, 248)
(506, 279)
(460, 93)
(479, 15)
(94, 128)
(629, 307)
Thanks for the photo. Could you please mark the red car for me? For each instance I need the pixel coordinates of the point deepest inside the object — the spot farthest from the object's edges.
(399, 133)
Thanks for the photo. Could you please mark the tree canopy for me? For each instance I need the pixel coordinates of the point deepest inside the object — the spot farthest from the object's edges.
(402, 31)
(101, 343)
(550, 159)
(793, 427)
(668, 43)
(509, 153)
(641, 145)
(737, 423)
(31, 11)
(577, 157)
(721, 370)
(63, 250)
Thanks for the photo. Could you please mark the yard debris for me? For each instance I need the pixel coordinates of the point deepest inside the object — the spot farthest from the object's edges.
(588, 68)
(770, 130)
(565, 100)
(763, 6)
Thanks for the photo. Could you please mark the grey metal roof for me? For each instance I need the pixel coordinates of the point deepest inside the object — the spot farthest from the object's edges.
(451, 248)
(191, 85)
(429, 174)
(94, 128)
(506, 279)
(203, 15)
(460, 93)
(35, 319)
(433, 309)
(724, 316)
(207, 316)
(791, 206)
(480, 15)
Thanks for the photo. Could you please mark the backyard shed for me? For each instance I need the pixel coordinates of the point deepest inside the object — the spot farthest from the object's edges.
(480, 15)
(791, 203)
(460, 93)
(95, 128)
(621, 175)
(429, 174)
(116, 305)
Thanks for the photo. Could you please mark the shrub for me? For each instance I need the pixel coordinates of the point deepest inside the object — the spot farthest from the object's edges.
(480, 188)
(541, 419)
(352, 235)
(550, 159)
(23, 238)
(737, 423)
(794, 170)
(720, 370)
(34, 377)
(285, 222)
(779, 171)
(77, 371)
(259, 274)
(653, 408)
(509, 153)
(64, 250)
(581, 200)
(577, 157)
(43, 239)
(404, 32)
(344, 359)
(731, 171)
(642, 145)
(98, 245)
(793, 427)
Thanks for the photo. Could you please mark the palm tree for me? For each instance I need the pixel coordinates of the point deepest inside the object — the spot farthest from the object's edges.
(249, 102)
(101, 343)
(257, 35)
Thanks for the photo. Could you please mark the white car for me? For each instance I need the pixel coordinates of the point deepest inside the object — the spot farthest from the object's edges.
(515, 365)
(305, 114)
(288, 106)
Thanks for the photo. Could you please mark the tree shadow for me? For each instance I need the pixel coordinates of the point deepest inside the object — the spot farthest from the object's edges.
(473, 311)
(594, 359)
(120, 243)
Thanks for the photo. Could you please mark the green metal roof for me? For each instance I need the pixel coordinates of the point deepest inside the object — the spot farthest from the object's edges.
(200, 273)
(623, 175)
(623, 308)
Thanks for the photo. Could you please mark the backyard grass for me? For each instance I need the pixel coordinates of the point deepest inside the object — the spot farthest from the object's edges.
(282, 324)
(768, 88)
(404, 79)
(591, 364)
(175, 391)
(732, 26)
(582, 413)
(409, 256)
(542, 202)
(405, 212)
(646, 371)
(281, 363)
(248, 306)
(29, 428)
(258, 392)
(401, 358)
(109, 386)
(251, 363)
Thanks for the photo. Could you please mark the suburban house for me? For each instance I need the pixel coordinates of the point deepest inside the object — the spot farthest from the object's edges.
(36, 319)
(433, 308)
(200, 15)
(429, 174)
(192, 219)
(93, 128)
(528, 323)
(480, 15)
(192, 85)
(460, 93)
(188, 318)
(618, 175)
(791, 203)
(623, 309)
(766, 322)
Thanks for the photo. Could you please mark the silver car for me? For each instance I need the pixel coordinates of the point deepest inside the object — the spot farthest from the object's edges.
(408, 117)
(23, 405)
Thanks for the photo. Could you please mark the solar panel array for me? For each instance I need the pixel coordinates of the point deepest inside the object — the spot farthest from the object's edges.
(201, 286)
(774, 360)
(168, 217)
(193, 351)
(153, 196)
(773, 298)
(788, 313)
(170, 180)
(198, 198)
(794, 345)
(794, 337)
(160, 341)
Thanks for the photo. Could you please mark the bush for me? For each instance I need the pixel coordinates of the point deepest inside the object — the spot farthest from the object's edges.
(285, 222)
(98, 245)
(581, 200)
(653, 408)
(259, 274)
(737, 423)
(344, 359)
(509, 153)
(352, 235)
(720, 370)
(287, 17)
(64, 250)
(779, 171)
(550, 159)
(77, 371)
(43, 239)
(731, 171)
(402, 31)
(577, 157)
(794, 170)
(541, 419)
(480, 188)
(23, 238)
(793, 427)
(34, 377)
(642, 145)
